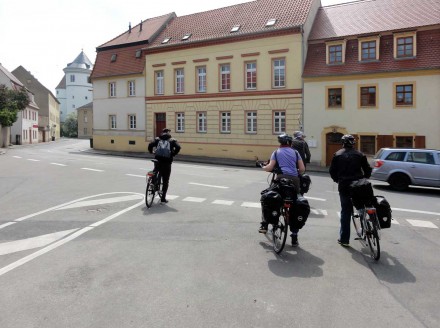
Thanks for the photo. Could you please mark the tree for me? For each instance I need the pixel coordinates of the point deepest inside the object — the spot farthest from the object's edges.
(11, 102)
(70, 126)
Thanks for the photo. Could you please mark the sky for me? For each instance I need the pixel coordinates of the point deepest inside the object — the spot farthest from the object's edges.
(44, 36)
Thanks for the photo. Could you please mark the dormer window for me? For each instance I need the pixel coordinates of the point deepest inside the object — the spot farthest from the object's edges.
(138, 53)
(369, 48)
(405, 45)
(166, 40)
(271, 22)
(335, 52)
(113, 59)
(235, 28)
(186, 37)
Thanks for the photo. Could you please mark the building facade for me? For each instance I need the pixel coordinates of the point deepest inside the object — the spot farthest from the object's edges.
(75, 88)
(376, 79)
(85, 121)
(49, 106)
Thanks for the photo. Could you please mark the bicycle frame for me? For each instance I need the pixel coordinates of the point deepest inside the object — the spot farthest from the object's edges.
(369, 229)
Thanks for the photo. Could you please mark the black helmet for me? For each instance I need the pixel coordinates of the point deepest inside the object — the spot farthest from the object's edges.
(348, 140)
(166, 130)
(285, 139)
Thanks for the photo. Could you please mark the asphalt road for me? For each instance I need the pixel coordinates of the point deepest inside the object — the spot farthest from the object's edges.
(78, 248)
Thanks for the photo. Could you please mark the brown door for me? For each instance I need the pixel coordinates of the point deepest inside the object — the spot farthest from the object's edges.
(333, 144)
(160, 124)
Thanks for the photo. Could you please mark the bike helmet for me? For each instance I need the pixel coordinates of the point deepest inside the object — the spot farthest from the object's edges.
(285, 139)
(166, 130)
(348, 140)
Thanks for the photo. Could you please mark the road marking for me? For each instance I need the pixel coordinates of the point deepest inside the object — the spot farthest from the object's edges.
(101, 201)
(394, 221)
(17, 156)
(194, 199)
(33, 160)
(7, 224)
(223, 202)
(422, 223)
(318, 212)
(314, 198)
(414, 211)
(136, 175)
(96, 170)
(250, 204)
(58, 164)
(171, 197)
(34, 242)
(206, 185)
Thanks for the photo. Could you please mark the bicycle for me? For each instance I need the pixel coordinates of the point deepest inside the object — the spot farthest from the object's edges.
(367, 227)
(154, 184)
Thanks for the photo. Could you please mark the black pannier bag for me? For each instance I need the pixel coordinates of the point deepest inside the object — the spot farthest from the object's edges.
(304, 183)
(383, 210)
(271, 203)
(287, 189)
(361, 193)
(299, 212)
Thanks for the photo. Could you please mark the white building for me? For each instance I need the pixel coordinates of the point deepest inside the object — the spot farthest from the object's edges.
(75, 89)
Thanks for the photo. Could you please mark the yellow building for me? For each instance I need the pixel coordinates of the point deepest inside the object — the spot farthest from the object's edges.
(228, 81)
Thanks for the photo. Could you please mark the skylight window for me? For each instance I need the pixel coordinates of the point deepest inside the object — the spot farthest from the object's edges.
(113, 59)
(186, 36)
(235, 28)
(271, 22)
(138, 53)
(166, 40)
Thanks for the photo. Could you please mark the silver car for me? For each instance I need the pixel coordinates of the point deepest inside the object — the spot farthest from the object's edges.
(401, 167)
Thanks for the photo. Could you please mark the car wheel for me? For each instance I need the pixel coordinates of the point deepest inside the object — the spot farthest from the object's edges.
(399, 181)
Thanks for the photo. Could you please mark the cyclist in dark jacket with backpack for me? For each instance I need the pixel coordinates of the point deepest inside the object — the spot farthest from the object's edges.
(348, 165)
(166, 149)
(301, 146)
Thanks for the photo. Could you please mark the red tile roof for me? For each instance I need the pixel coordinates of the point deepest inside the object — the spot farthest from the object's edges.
(142, 32)
(428, 57)
(370, 16)
(251, 16)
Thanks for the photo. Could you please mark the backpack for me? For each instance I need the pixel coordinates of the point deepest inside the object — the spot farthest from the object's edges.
(299, 213)
(163, 148)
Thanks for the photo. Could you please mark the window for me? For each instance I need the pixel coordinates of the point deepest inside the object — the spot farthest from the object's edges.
(112, 89)
(131, 88)
(201, 122)
(132, 121)
(334, 98)
(368, 96)
(279, 122)
(72, 78)
(404, 142)
(368, 50)
(201, 79)
(368, 145)
(85, 130)
(271, 22)
(138, 53)
(225, 77)
(404, 94)
(186, 37)
(85, 118)
(180, 122)
(225, 118)
(335, 54)
(159, 83)
(166, 40)
(180, 80)
(113, 58)
(396, 156)
(251, 75)
(112, 120)
(251, 122)
(235, 28)
(279, 73)
(405, 45)
(421, 157)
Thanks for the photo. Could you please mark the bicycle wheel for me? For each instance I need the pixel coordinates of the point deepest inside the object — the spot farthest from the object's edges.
(279, 233)
(355, 217)
(372, 236)
(149, 193)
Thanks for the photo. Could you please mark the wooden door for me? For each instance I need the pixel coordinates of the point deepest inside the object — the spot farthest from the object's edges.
(333, 144)
(160, 123)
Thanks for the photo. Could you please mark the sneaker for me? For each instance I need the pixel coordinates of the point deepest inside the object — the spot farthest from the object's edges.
(263, 228)
(163, 201)
(343, 244)
(295, 241)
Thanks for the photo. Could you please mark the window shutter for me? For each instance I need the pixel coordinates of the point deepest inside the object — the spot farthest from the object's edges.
(420, 142)
(385, 141)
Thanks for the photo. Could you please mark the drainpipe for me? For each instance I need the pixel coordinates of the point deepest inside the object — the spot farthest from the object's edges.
(302, 80)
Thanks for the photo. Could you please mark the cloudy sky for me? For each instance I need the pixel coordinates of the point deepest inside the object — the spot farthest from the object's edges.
(45, 35)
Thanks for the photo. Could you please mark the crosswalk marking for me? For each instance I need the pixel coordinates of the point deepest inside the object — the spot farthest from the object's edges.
(422, 223)
(194, 199)
(58, 164)
(101, 201)
(88, 169)
(250, 204)
(33, 160)
(318, 212)
(223, 202)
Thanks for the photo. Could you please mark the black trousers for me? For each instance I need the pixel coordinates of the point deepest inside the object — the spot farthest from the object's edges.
(164, 168)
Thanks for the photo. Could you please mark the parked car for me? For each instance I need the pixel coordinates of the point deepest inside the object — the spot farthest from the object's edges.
(401, 167)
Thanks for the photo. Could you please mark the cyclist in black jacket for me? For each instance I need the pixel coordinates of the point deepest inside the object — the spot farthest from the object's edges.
(347, 165)
(166, 149)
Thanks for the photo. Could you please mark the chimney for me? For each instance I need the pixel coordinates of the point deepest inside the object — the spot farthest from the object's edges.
(140, 27)
(129, 27)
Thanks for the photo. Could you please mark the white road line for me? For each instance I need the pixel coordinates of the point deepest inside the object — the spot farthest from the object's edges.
(206, 185)
(314, 198)
(171, 197)
(394, 221)
(33, 160)
(223, 202)
(422, 223)
(58, 164)
(7, 224)
(136, 175)
(318, 212)
(86, 168)
(194, 199)
(414, 211)
(17, 156)
(101, 201)
(250, 204)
